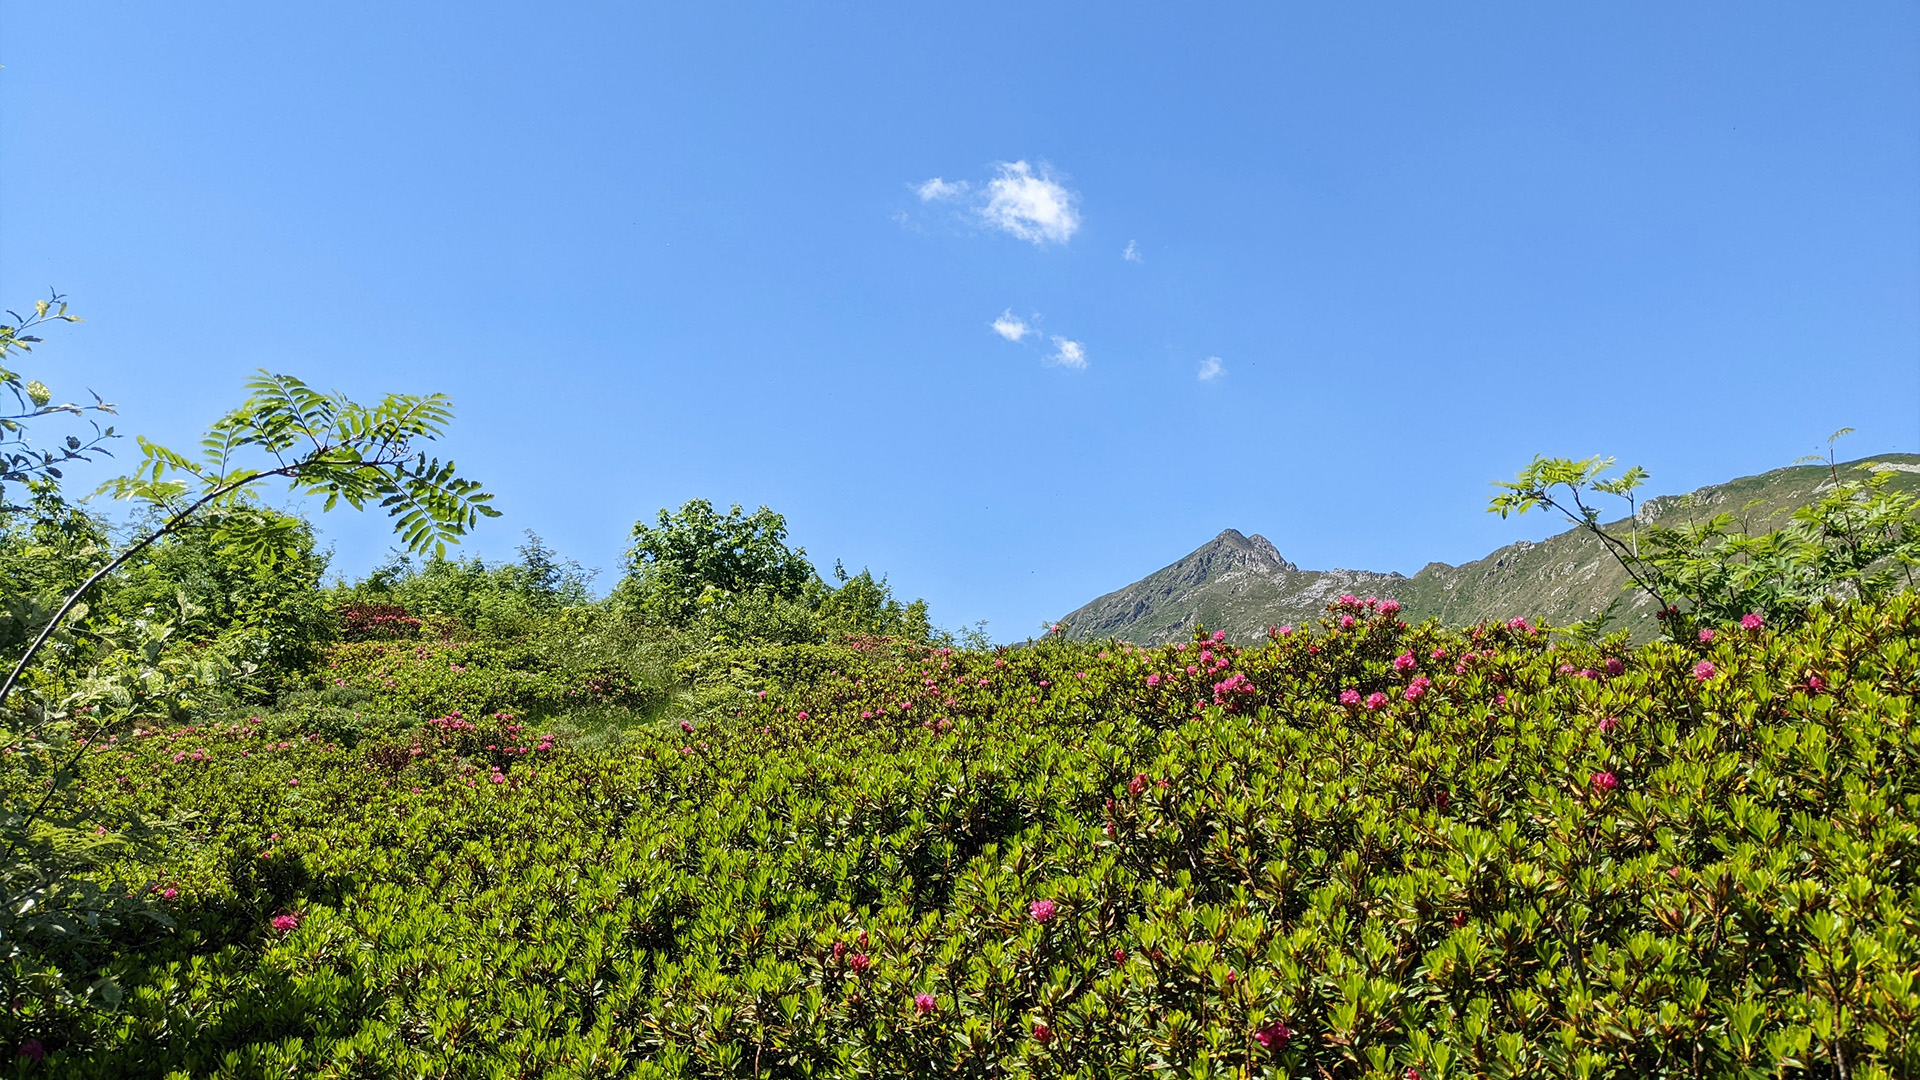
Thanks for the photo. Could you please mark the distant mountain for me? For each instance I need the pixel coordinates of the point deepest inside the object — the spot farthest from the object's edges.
(1242, 585)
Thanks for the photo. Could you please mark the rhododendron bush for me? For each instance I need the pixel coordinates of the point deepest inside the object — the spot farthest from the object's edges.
(1358, 850)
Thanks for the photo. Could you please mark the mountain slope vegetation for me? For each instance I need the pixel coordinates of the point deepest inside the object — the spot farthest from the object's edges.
(1242, 585)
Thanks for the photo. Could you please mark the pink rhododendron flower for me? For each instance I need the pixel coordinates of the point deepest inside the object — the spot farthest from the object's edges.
(1752, 620)
(923, 1003)
(1041, 910)
(1519, 624)
(1153, 679)
(1349, 598)
(1418, 687)
(169, 893)
(1705, 670)
(1604, 782)
(1349, 697)
(286, 923)
(1608, 723)
(1042, 1034)
(1439, 654)
(839, 950)
(1286, 631)
(1616, 666)
(1376, 700)
(1404, 662)
(1346, 622)
(859, 961)
(1273, 1035)
(686, 726)
(1219, 636)
(1138, 784)
(1816, 684)
(1706, 634)
(1119, 956)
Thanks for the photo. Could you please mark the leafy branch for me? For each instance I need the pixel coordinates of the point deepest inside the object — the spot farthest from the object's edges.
(322, 445)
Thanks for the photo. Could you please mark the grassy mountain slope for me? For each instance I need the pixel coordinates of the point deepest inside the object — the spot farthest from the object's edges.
(1242, 585)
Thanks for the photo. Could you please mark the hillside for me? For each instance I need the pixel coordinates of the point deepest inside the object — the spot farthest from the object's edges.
(1242, 584)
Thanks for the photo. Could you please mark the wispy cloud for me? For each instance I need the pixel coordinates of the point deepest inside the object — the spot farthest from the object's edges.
(1069, 354)
(937, 188)
(1211, 368)
(1132, 253)
(1011, 326)
(1032, 207)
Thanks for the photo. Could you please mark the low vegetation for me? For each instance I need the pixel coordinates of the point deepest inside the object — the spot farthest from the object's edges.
(741, 819)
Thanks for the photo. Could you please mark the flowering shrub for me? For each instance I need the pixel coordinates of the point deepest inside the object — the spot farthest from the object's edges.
(906, 860)
(376, 622)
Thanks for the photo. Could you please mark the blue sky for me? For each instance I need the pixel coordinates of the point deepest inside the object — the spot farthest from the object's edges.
(663, 253)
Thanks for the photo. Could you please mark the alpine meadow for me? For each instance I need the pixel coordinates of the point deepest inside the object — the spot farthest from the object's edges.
(732, 819)
(619, 541)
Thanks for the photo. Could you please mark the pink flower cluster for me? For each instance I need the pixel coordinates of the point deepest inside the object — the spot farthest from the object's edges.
(1042, 910)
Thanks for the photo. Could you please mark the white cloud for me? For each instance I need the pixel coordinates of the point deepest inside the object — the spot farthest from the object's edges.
(1069, 354)
(937, 188)
(1011, 326)
(1033, 208)
(1211, 369)
(1132, 254)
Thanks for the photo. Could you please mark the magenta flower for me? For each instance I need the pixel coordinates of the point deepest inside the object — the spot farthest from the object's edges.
(923, 1004)
(1286, 631)
(169, 893)
(1042, 1034)
(1153, 679)
(1376, 701)
(1705, 670)
(1752, 620)
(286, 923)
(1138, 784)
(1603, 782)
(1706, 635)
(1390, 607)
(1042, 910)
(1519, 624)
(1349, 598)
(1119, 956)
(1349, 697)
(859, 961)
(1219, 636)
(1417, 687)
(686, 726)
(1273, 1035)
(1608, 723)
(1404, 662)
(1616, 666)
(1346, 622)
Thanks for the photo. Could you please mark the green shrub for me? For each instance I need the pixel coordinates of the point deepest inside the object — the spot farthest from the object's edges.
(1371, 850)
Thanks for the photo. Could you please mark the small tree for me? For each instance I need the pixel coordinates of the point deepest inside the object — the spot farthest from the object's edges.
(1858, 541)
(696, 554)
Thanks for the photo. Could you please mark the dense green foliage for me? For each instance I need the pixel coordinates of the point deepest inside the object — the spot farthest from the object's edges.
(1858, 540)
(1353, 852)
